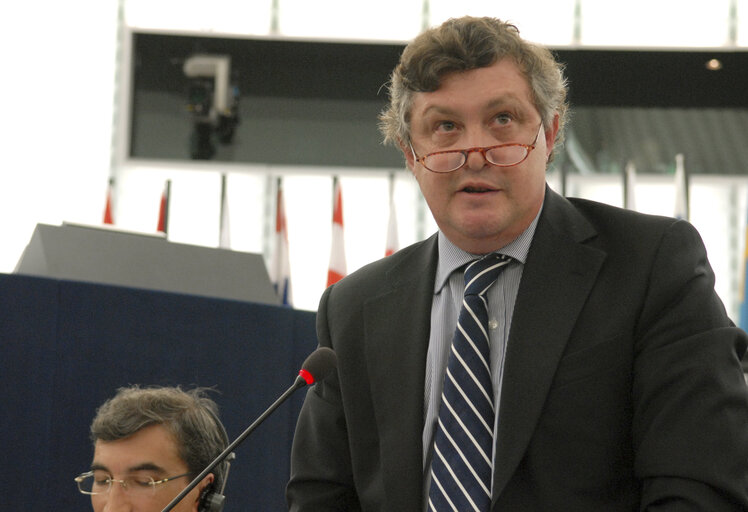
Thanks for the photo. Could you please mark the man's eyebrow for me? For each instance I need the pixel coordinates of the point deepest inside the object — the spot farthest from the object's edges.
(439, 110)
(507, 99)
(504, 100)
(144, 466)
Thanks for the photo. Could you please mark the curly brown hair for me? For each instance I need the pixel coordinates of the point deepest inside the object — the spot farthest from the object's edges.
(462, 44)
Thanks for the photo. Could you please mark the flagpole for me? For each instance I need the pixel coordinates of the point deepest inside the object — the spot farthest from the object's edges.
(224, 240)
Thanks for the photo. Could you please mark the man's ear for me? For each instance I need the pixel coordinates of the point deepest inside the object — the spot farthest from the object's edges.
(550, 135)
(203, 487)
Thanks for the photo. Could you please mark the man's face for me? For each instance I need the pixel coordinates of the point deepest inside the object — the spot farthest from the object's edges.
(150, 452)
(481, 207)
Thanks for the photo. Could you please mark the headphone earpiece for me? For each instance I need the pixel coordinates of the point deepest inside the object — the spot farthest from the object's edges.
(211, 498)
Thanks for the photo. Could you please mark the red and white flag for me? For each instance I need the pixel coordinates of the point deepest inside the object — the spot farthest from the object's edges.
(163, 211)
(393, 243)
(108, 217)
(337, 269)
(280, 267)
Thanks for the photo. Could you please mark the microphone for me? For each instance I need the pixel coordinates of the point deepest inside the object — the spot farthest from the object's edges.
(318, 365)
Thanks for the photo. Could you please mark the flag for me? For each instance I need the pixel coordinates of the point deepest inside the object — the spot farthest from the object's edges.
(163, 211)
(108, 217)
(743, 319)
(224, 237)
(681, 189)
(337, 269)
(392, 244)
(629, 187)
(280, 267)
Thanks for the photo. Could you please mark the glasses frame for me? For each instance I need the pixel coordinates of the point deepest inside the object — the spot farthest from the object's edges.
(481, 149)
(153, 483)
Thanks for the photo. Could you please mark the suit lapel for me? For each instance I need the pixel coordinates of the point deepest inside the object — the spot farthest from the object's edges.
(396, 342)
(558, 276)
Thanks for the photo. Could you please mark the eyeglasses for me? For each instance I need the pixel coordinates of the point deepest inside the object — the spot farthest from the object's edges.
(501, 155)
(100, 482)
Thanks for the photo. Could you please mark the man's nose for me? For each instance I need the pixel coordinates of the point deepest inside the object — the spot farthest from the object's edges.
(476, 160)
(117, 500)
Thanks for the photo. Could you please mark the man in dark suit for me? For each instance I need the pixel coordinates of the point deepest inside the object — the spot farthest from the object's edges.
(615, 371)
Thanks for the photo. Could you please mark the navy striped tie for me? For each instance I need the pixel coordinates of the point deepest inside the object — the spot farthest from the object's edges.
(463, 442)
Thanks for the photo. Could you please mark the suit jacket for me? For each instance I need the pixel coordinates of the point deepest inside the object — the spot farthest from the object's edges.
(622, 390)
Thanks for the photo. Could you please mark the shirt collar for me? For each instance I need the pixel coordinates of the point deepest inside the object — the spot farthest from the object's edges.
(452, 257)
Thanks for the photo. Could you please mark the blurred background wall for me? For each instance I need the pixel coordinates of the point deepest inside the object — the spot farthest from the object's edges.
(95, 90)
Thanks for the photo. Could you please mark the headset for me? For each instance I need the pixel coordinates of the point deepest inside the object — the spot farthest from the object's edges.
(212, 499)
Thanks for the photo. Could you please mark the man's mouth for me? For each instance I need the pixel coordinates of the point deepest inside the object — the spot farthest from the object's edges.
(477, 190)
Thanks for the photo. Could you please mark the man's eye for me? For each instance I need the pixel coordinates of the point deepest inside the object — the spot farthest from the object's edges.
(100, 478)
(504, 118)
(141, 481)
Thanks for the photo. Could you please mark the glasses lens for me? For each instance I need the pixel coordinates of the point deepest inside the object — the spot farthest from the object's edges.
(93, 483)
(444, 162)
(140, 484)
(100, 482)
(506, 155)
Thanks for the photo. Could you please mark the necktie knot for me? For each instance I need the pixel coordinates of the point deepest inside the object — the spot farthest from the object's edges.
(481, 273)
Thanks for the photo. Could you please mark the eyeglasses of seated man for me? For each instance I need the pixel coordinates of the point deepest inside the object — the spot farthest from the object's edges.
(138, 484)
(140, 473)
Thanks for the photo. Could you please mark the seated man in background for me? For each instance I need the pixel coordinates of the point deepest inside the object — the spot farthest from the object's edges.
(149, 443)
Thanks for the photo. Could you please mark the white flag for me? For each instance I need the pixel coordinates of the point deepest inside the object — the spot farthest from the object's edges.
(629, 189)
(393, 243)
(681, 189)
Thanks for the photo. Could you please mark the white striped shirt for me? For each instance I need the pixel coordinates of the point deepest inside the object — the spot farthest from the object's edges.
(449, 287)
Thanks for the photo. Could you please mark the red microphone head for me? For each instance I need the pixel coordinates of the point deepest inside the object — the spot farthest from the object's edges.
(318, 365)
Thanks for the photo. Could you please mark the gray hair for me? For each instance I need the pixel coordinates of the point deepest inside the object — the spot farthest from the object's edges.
(463, 44)
(190, 416)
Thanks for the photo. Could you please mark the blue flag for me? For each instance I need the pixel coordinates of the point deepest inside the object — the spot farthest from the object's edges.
(743, 323)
